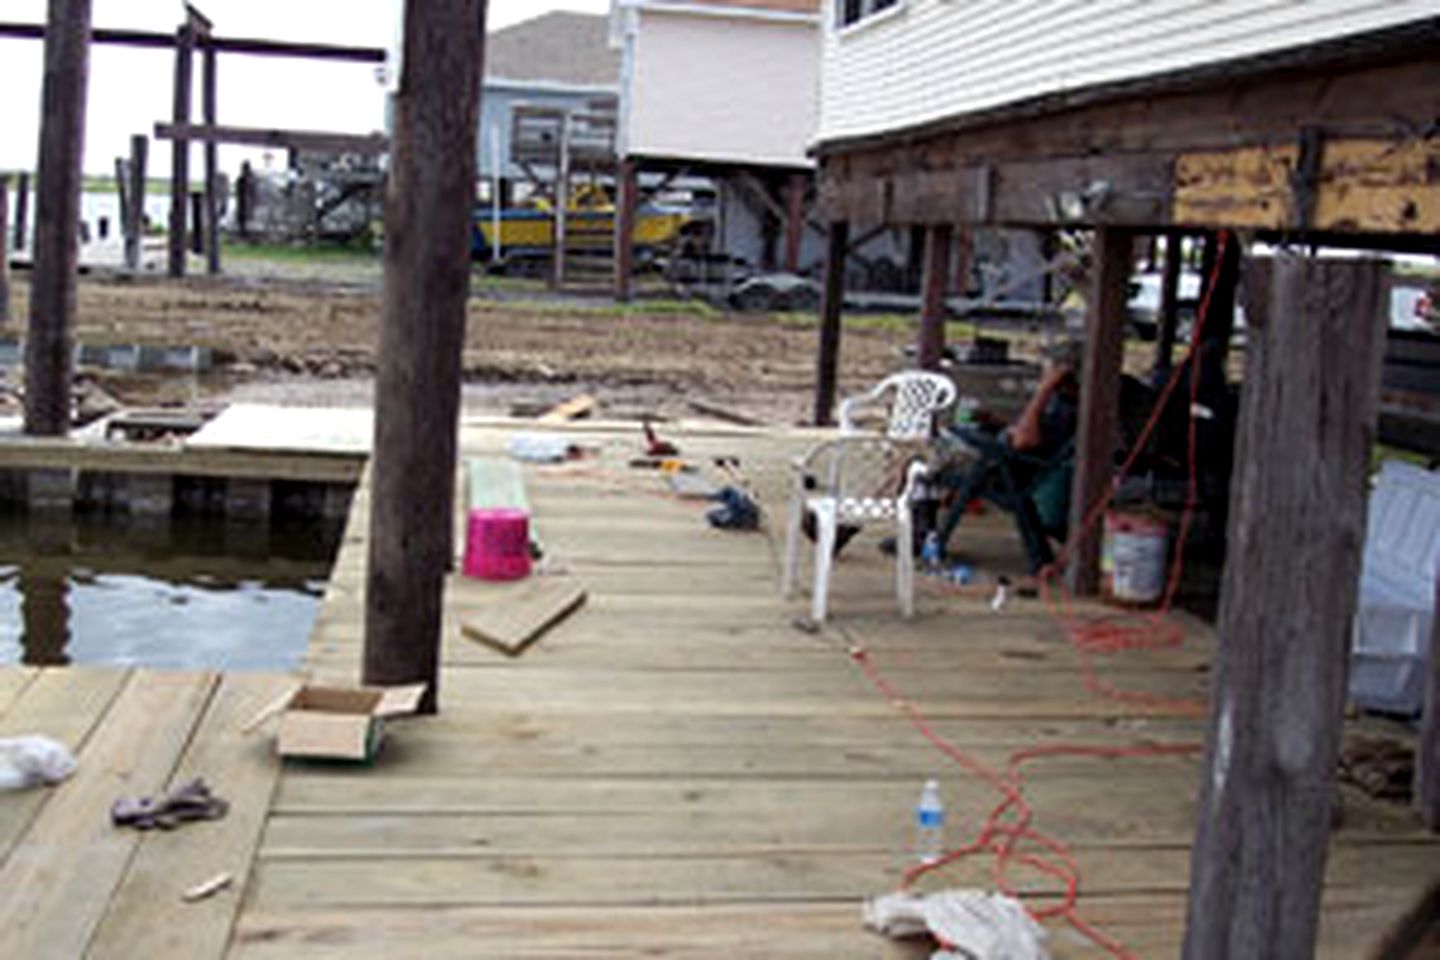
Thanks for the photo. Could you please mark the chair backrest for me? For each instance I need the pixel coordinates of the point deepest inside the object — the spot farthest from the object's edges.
(867, 475)
(1402, 537)
(919, 396)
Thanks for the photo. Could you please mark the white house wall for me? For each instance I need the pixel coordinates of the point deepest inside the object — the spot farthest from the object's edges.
(725, 89)
(933, 59)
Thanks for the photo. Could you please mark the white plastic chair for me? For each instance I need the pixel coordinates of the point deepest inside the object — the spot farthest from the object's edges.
(844, 481)
(919, 396)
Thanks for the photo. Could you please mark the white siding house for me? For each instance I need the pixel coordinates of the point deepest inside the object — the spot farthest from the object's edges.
(910, 62)
(720, 82)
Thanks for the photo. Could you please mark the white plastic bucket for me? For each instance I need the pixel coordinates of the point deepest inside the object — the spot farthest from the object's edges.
(1133, 561)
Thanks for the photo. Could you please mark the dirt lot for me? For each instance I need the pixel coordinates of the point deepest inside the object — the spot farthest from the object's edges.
(302, 339)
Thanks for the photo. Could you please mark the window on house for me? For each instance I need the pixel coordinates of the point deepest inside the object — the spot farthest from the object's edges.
(853, 11)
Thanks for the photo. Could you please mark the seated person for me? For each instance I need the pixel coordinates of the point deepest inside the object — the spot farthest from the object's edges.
(1028, 454)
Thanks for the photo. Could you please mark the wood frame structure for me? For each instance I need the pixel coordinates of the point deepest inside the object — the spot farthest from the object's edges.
(1316, 144)
(197, 32)
(783, 193)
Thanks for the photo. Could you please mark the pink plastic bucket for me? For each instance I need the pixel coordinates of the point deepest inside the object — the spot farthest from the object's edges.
(497, 544)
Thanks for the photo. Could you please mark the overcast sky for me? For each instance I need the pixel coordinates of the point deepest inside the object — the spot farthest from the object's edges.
(130, 89)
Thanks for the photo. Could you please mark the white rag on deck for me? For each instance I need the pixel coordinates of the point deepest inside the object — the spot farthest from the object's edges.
(971, 924)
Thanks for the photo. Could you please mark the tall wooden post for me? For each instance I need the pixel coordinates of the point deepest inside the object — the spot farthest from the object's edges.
(1099, 398)
(1169, 303)
(50, 342)
(134, 239)
(1427, 765)
(1297, 523)
(627, 184)
(122, 194)
(795, 189)
(4, 248)
(417, 391)
(936, 286)
(197, 219)
(832, 306)
(180, 148)
(562, 202)
(209, 109)
(22, 211)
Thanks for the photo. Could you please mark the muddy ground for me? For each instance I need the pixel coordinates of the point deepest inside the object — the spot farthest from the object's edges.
(306, 340)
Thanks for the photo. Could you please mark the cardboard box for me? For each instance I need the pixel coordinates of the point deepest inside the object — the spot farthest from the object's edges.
(337, 723)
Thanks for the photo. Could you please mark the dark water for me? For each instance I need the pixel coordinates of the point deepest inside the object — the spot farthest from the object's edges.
(175, 594)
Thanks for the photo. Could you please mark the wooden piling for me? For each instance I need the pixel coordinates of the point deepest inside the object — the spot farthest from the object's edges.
(1096, 435)
(935, 288)
(1427, 765)
(4, 249)
(427, 276)
(180, 148)
(795, 189)
(50, 341)
(22, 211)
(1278, 688)
(134, 239)
(197, 218)
(627, 184)
(832, 306)
(562, 203)
(209, 106)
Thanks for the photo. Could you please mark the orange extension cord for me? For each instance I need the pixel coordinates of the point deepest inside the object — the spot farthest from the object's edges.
(1007, 833)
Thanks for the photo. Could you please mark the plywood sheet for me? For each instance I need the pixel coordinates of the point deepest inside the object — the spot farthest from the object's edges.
(510, 617)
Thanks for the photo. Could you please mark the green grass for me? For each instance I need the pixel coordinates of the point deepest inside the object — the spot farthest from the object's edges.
(285, 253)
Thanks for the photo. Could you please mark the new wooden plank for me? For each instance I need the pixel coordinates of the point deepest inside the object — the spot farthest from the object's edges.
(13, 681)
(513, 617)
(582, 878)
(782, 932)
(1144, 924)
(65, 705)
(46, 453)
(573, 409)
(56, 885)
(147, 917)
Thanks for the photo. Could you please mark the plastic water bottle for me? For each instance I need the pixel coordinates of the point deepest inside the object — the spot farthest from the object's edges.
(929, 824)
(930, 552)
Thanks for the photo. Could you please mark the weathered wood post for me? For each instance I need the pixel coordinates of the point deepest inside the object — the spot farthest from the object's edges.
(795, 188)
(22, 210)
(50, 341)
(209, 109)
(134, 239)
(1099, 399)
(4, 248)
(627, 184)
(1427, 765)
(197, 218)
(1297, 524)
(935, 287)
(562, 202)
(180, 147)
(428, 201)
(832, 306)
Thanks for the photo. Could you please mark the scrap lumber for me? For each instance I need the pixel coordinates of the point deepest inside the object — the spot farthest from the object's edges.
(573, 409)
(724, 413)
(510, 617)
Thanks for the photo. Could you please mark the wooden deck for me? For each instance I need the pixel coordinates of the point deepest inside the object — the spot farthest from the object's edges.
(674, 771)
